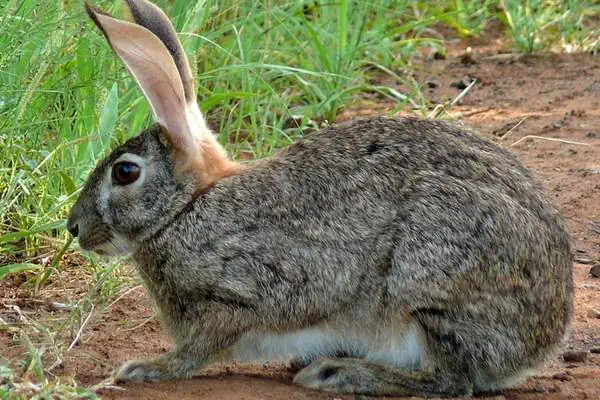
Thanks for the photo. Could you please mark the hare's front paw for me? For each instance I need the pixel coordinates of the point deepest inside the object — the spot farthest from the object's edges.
(138, 371)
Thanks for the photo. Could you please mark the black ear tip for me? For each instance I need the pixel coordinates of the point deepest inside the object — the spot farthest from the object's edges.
(93, 13)
(90, 9)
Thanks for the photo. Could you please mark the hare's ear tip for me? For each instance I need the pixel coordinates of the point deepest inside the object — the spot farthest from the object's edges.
(94, 11)
(90, 9)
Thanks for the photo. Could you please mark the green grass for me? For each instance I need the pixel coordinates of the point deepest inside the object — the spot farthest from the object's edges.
(267, 72)
(569, 25)
(468, 17)
(33, 382)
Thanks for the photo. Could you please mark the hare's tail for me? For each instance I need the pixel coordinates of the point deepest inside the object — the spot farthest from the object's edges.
(357, 376)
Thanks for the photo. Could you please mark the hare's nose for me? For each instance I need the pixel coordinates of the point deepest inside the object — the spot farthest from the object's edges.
(72, 227)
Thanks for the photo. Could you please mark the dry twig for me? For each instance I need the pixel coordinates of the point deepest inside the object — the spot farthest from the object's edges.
(80, 331)
(144, 322)
(511, 130)
(437, 111)
(124, 294)
(549, 139)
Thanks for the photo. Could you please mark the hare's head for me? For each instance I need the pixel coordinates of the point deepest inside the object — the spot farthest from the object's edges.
(148, 180)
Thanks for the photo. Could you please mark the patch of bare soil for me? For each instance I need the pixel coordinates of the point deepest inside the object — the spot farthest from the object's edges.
(515, 101)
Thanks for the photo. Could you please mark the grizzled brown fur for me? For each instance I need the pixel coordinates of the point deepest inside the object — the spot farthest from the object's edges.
(364, 228)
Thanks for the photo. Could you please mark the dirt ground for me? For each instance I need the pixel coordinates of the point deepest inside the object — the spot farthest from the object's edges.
(516, 98)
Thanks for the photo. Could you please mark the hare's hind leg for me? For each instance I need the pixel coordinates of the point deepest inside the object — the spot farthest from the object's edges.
(358, 376)
(400, 363)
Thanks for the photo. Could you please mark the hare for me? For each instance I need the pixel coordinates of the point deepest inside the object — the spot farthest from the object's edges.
(384, 256)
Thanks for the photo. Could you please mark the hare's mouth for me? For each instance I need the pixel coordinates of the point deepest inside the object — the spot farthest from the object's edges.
(107, 244)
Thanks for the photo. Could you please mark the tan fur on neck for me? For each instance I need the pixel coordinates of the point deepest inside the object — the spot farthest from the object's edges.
(209, 163)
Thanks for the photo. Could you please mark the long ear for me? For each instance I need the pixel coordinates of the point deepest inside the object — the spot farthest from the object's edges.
(156, 21)
(157, 72)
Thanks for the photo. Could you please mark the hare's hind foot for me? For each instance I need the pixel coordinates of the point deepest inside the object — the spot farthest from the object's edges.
(298, 363)
(356, 376)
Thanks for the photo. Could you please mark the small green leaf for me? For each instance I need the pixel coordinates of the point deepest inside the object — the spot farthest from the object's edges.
(85, 64)
(13, 268)
(68, 183)
(108, 120)
(12, 236)
(216, 98)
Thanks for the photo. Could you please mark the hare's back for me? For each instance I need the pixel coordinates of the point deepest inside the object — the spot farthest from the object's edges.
(388, 151)
(380, 176)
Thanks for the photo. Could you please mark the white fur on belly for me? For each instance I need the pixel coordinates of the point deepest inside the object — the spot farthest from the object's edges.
(399, 346)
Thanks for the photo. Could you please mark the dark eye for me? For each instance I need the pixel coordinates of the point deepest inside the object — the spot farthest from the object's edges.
(125, 172)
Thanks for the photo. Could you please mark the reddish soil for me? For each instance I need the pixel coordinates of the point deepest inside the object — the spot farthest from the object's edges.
(553, 96)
